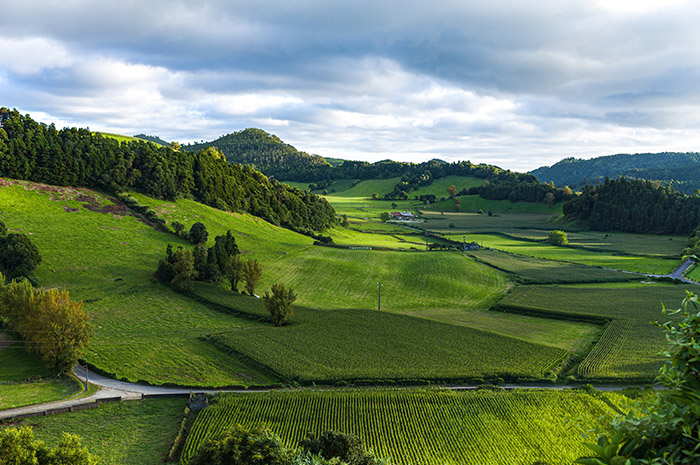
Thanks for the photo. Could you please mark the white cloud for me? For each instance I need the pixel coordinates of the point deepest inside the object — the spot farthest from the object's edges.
(32, 55)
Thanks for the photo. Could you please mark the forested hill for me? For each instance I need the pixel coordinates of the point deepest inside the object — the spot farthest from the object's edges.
(264, 152)
(154, 139)
(635, 206)
(77, 157)
(679, 170)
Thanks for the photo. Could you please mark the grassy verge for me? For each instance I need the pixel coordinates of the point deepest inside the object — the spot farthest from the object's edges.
(126, 433)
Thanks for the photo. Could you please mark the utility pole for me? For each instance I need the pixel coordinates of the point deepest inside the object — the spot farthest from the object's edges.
(379, 302)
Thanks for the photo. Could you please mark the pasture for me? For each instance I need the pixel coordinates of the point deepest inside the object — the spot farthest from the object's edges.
(136, 432)
(142, 330)
(545, 250)
(431, 427)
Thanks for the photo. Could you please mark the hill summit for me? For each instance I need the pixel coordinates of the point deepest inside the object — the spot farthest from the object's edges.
(680, 170)
(263, 151)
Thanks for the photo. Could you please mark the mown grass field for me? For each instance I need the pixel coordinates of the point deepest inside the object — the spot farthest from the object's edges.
(431, 427)
(138, 432)
(636, 263)
(630, 348)
(530, 270)
(142, 330)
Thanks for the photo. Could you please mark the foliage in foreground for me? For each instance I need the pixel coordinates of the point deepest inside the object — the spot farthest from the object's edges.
(259, 446)
(19, 257)
(668, 430)
(18, 447)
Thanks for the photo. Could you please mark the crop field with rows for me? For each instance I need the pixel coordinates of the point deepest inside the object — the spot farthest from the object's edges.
(629, 348)
(423, 427)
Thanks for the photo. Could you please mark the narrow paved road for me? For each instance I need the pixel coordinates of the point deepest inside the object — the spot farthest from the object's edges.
(677, 273)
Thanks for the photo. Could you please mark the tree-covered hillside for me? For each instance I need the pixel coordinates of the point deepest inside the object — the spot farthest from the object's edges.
(264, 152)
(76, 157)
(635, 206)
(679, 170)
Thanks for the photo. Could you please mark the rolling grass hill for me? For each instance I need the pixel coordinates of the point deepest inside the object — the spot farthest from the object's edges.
(143, 330)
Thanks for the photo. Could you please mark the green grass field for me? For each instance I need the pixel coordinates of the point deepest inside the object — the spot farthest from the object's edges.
(631, 345)
(142, 330)
(474, 203)
(531, 270)
(636, 263)
(439, 186)
(24, 380)
(349, 345)
(431, 427)
(138, 432)
(627, 243)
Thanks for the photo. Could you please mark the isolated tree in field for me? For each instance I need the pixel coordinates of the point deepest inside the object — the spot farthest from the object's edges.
(451, 191)
(344, 221)
(280, 304)
(233, 271)
(549, 199)
(375, 196)
(558, 237)
(198, 233)
(252, 271)
(384, 216)
(56, 329)
(457, 203)
(18, 256)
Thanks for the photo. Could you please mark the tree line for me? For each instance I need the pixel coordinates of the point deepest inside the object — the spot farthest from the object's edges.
(76, 157)
(633, 205)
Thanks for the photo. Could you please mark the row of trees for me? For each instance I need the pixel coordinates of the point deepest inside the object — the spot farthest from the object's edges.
(77, 157)
(219, 262)
(19, 257)
(52, 326)
(635, 206)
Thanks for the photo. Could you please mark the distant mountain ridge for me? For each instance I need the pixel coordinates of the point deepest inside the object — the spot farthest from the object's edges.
(680, 170)
(264, 152)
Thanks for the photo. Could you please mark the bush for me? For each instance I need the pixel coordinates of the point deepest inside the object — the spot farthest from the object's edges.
(558, 237)
(279, 304)
(241, 447)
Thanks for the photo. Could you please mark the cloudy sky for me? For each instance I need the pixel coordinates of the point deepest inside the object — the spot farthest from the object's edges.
(518, 84)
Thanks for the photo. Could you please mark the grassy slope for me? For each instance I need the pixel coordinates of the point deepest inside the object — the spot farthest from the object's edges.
(142, 330)
(127, 433)
(474, 203)
(439, 187)
(440, 286)
(432, 427)
(635, 351)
